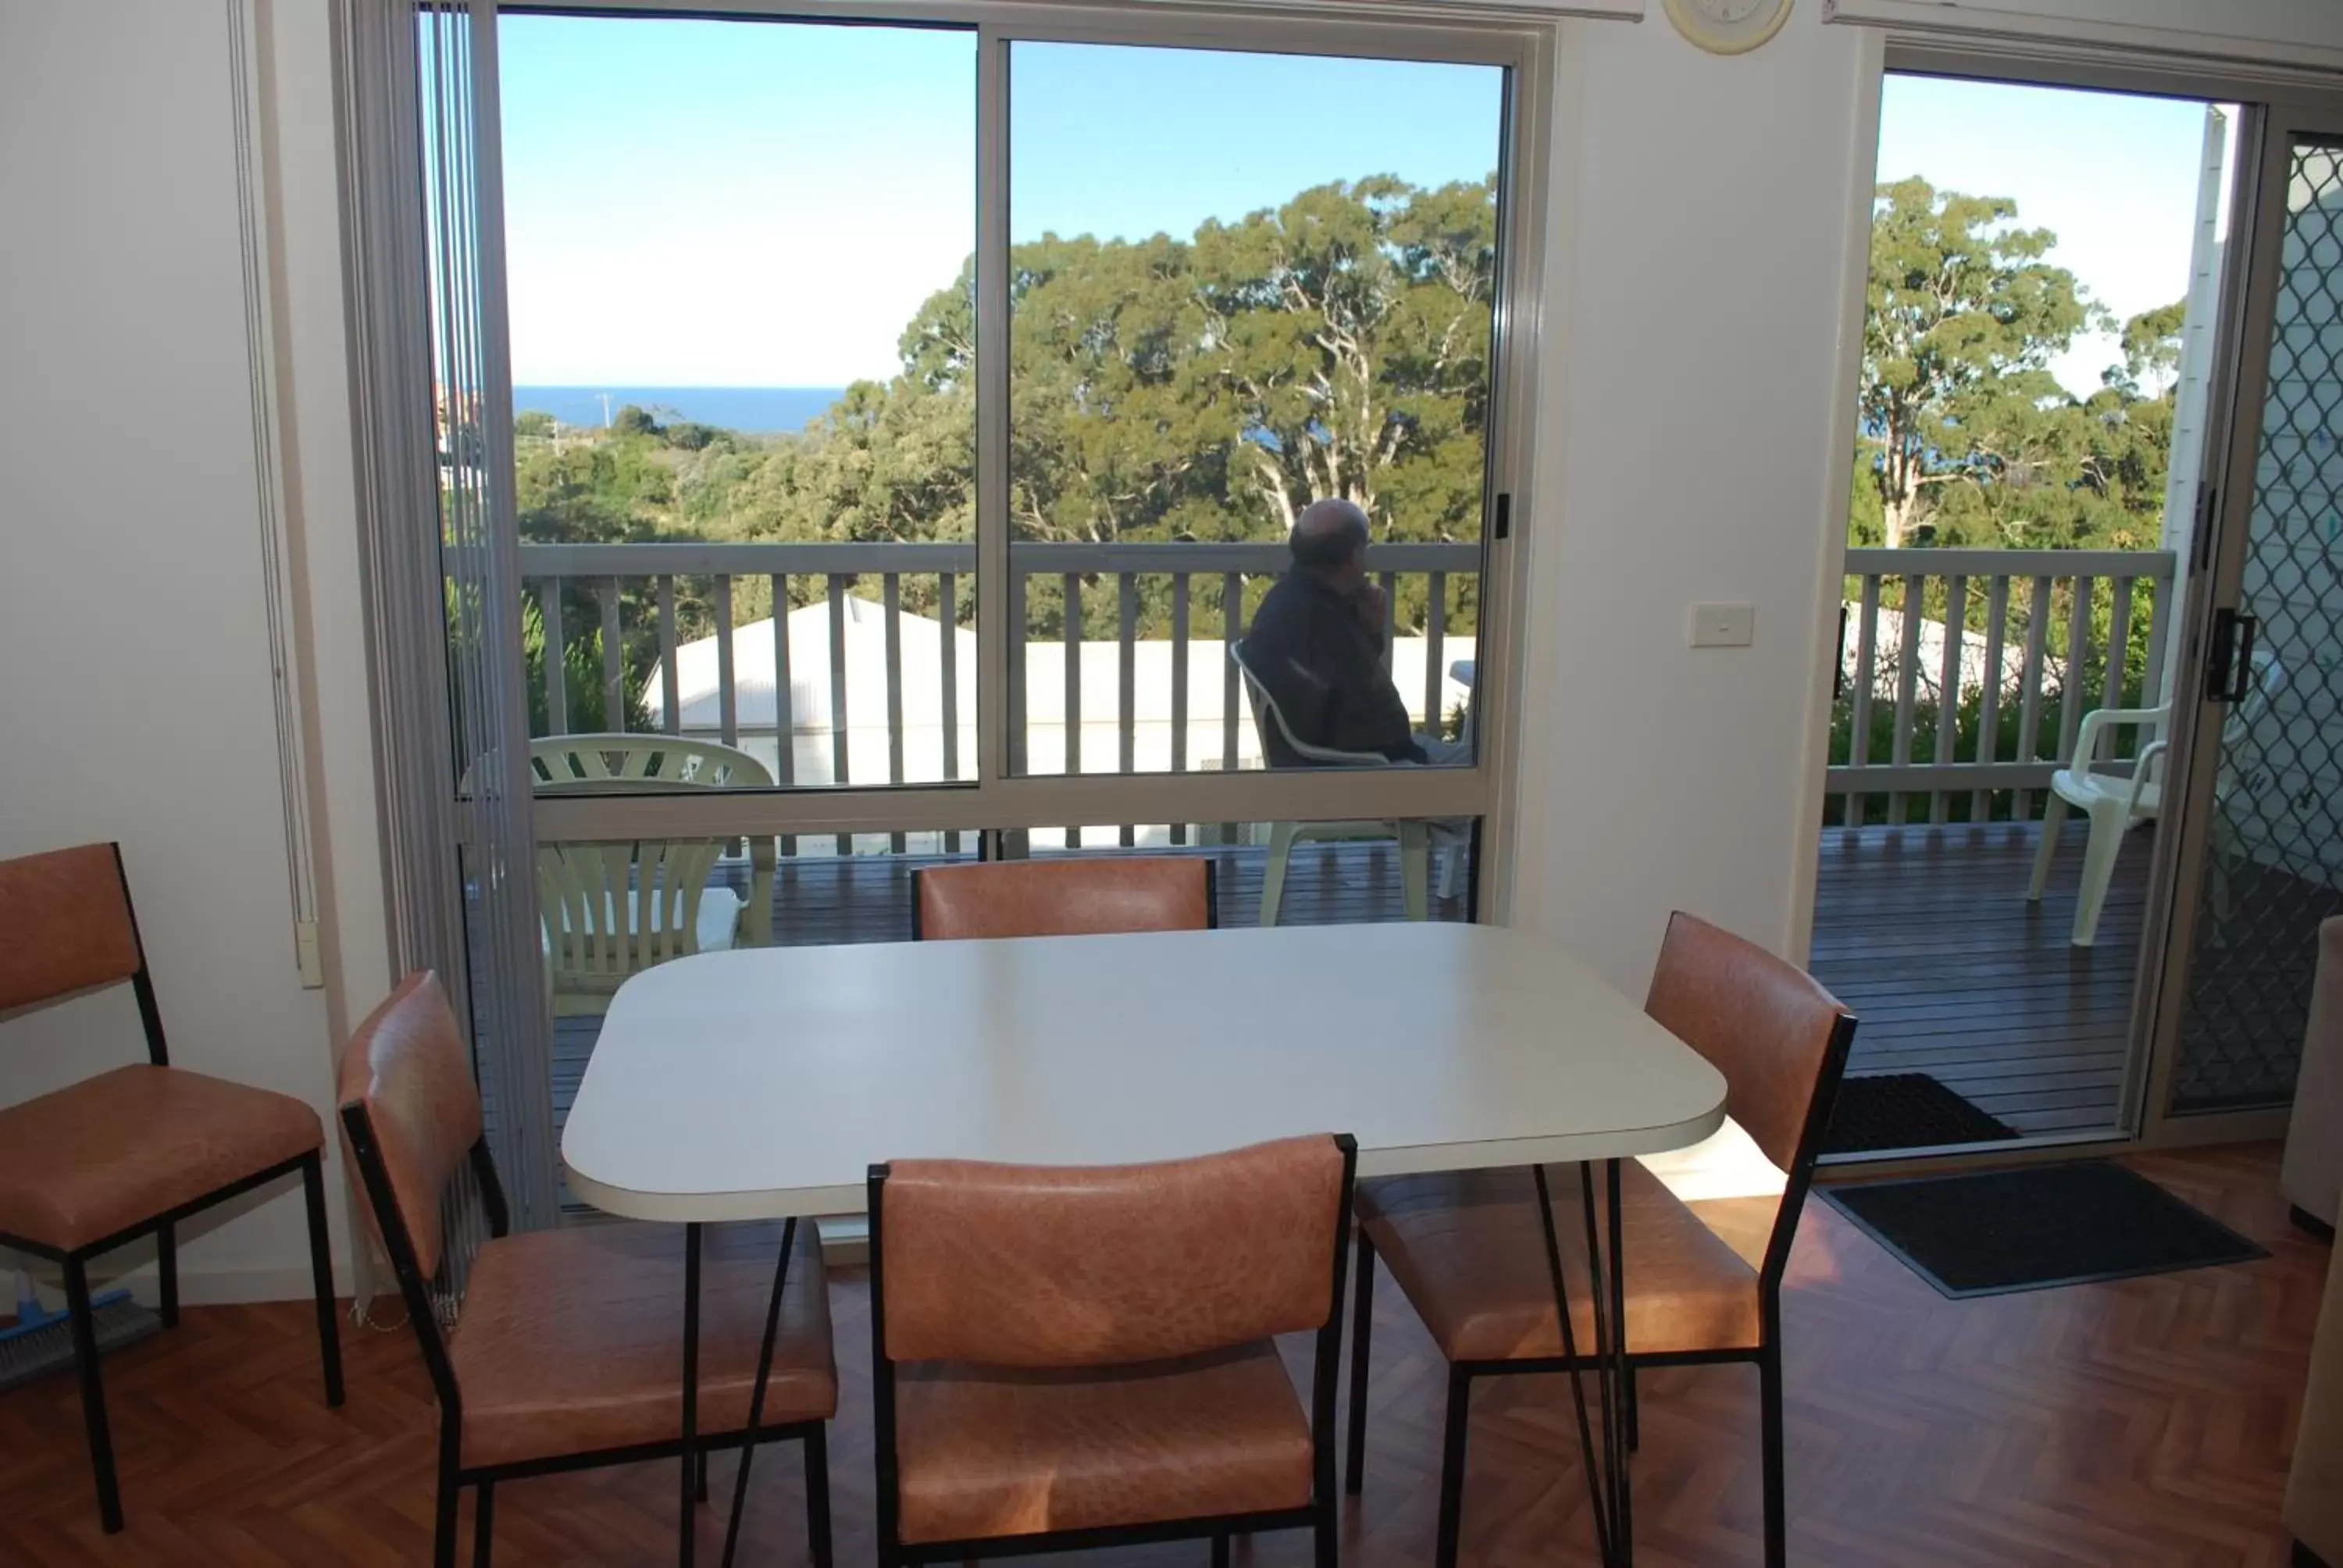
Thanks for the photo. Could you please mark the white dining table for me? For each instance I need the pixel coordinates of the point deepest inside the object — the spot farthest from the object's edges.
(763, 1083)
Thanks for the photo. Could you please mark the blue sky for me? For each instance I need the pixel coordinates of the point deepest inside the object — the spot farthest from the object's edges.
(2114, 176)
(744, 203)
(692, 202)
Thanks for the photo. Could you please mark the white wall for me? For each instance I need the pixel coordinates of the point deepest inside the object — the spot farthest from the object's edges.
(136, 703)
(1695, 426)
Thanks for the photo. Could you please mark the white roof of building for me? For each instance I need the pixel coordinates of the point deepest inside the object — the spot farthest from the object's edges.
(921, 642)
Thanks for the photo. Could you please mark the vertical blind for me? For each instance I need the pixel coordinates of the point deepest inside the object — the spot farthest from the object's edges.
(432, 414)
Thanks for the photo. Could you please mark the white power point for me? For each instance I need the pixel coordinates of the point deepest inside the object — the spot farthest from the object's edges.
(1724, 624)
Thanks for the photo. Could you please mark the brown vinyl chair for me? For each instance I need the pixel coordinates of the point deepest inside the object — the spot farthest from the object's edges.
(566, 1352)
(1468, 1249)
(132, 1151)
(1066, 1357)
(1064, 897)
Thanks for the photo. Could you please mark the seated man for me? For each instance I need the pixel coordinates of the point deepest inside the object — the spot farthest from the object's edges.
(1316, 643)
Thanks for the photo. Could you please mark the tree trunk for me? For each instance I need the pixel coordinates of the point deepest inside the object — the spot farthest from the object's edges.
(1895, 519)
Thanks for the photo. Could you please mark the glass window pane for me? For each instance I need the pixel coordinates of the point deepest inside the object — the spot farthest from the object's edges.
(1241, 283)
(743, 357)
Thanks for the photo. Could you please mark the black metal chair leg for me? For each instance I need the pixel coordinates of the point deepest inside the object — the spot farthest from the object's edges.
(321, 1277)
(449, 1496)
(1362, 1331)
(1452, 1467)
(484, 1523)
(686, 1470)
(1219, 1552)
(93, 1395)
(817, 1483)
(443, 1520)
(166, 1268)
(1634, 1415)
(1769, 1404)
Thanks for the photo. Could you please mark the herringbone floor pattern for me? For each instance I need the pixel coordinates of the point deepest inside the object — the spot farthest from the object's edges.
(2143, 1422)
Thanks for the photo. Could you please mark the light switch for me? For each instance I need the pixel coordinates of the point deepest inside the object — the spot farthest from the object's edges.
(1724, 624)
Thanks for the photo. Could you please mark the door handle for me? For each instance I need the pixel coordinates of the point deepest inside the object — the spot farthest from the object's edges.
(2230, 663)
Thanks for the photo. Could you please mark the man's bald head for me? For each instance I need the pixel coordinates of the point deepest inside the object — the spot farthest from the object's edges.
(1329, 538)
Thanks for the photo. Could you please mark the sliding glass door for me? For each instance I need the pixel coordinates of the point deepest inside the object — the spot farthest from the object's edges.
(2265, 850)
(2043, 327)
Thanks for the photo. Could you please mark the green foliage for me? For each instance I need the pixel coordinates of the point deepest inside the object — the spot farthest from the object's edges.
(1965, 436)
(581, 672)
(1198, 389)
(2059, 668)
(1204, 389)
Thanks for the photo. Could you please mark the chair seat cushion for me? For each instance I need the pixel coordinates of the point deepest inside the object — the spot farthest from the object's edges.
(571, 1340)
(1468, 1251)
(984, 1451)
(112, 1151)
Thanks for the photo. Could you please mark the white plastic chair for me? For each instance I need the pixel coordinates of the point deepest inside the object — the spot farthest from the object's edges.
(2115, 802)
(1414, 837)
(669, 910)
(2112, 801)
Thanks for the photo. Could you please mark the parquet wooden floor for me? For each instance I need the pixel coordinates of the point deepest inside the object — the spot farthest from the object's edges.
(2143, 1422)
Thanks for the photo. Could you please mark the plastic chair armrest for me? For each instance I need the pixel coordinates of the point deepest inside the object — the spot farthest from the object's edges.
(2100, 719)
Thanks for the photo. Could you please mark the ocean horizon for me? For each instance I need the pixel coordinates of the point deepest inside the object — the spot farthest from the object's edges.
(754, 410)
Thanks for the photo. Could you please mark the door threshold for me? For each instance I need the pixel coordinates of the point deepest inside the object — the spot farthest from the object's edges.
(2039, 1148)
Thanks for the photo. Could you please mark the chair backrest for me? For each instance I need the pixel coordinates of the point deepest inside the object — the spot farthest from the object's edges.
(631, 764)
(406, 1075)
(626, 763)
(1067, 1266)
(66, 925)
(1779, 1037)
(1279, 747)
(613, 909)
(1061, 898)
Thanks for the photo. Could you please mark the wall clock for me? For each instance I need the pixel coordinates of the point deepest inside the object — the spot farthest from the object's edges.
(1728, 26)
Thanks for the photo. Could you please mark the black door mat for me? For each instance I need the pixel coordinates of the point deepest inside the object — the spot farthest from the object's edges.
(1998, 1232)
(1906, 1111)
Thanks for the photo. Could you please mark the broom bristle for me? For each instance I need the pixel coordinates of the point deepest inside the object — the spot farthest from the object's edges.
(49, 1348)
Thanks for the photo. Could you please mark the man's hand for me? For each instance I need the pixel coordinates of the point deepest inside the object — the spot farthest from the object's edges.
(1372, 605)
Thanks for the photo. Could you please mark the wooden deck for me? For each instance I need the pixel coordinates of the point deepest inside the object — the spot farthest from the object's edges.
(1926, 934)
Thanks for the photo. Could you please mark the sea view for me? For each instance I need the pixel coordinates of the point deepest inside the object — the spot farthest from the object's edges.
(762, 410)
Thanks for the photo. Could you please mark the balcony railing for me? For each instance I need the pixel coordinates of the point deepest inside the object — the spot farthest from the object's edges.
(887, 691)
(1963, 675)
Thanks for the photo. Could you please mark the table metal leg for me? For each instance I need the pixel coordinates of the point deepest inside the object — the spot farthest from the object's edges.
(757, 1391)
(1623, 1516)
(1594, 1494)
(1605, 1369)
(687, 1465)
